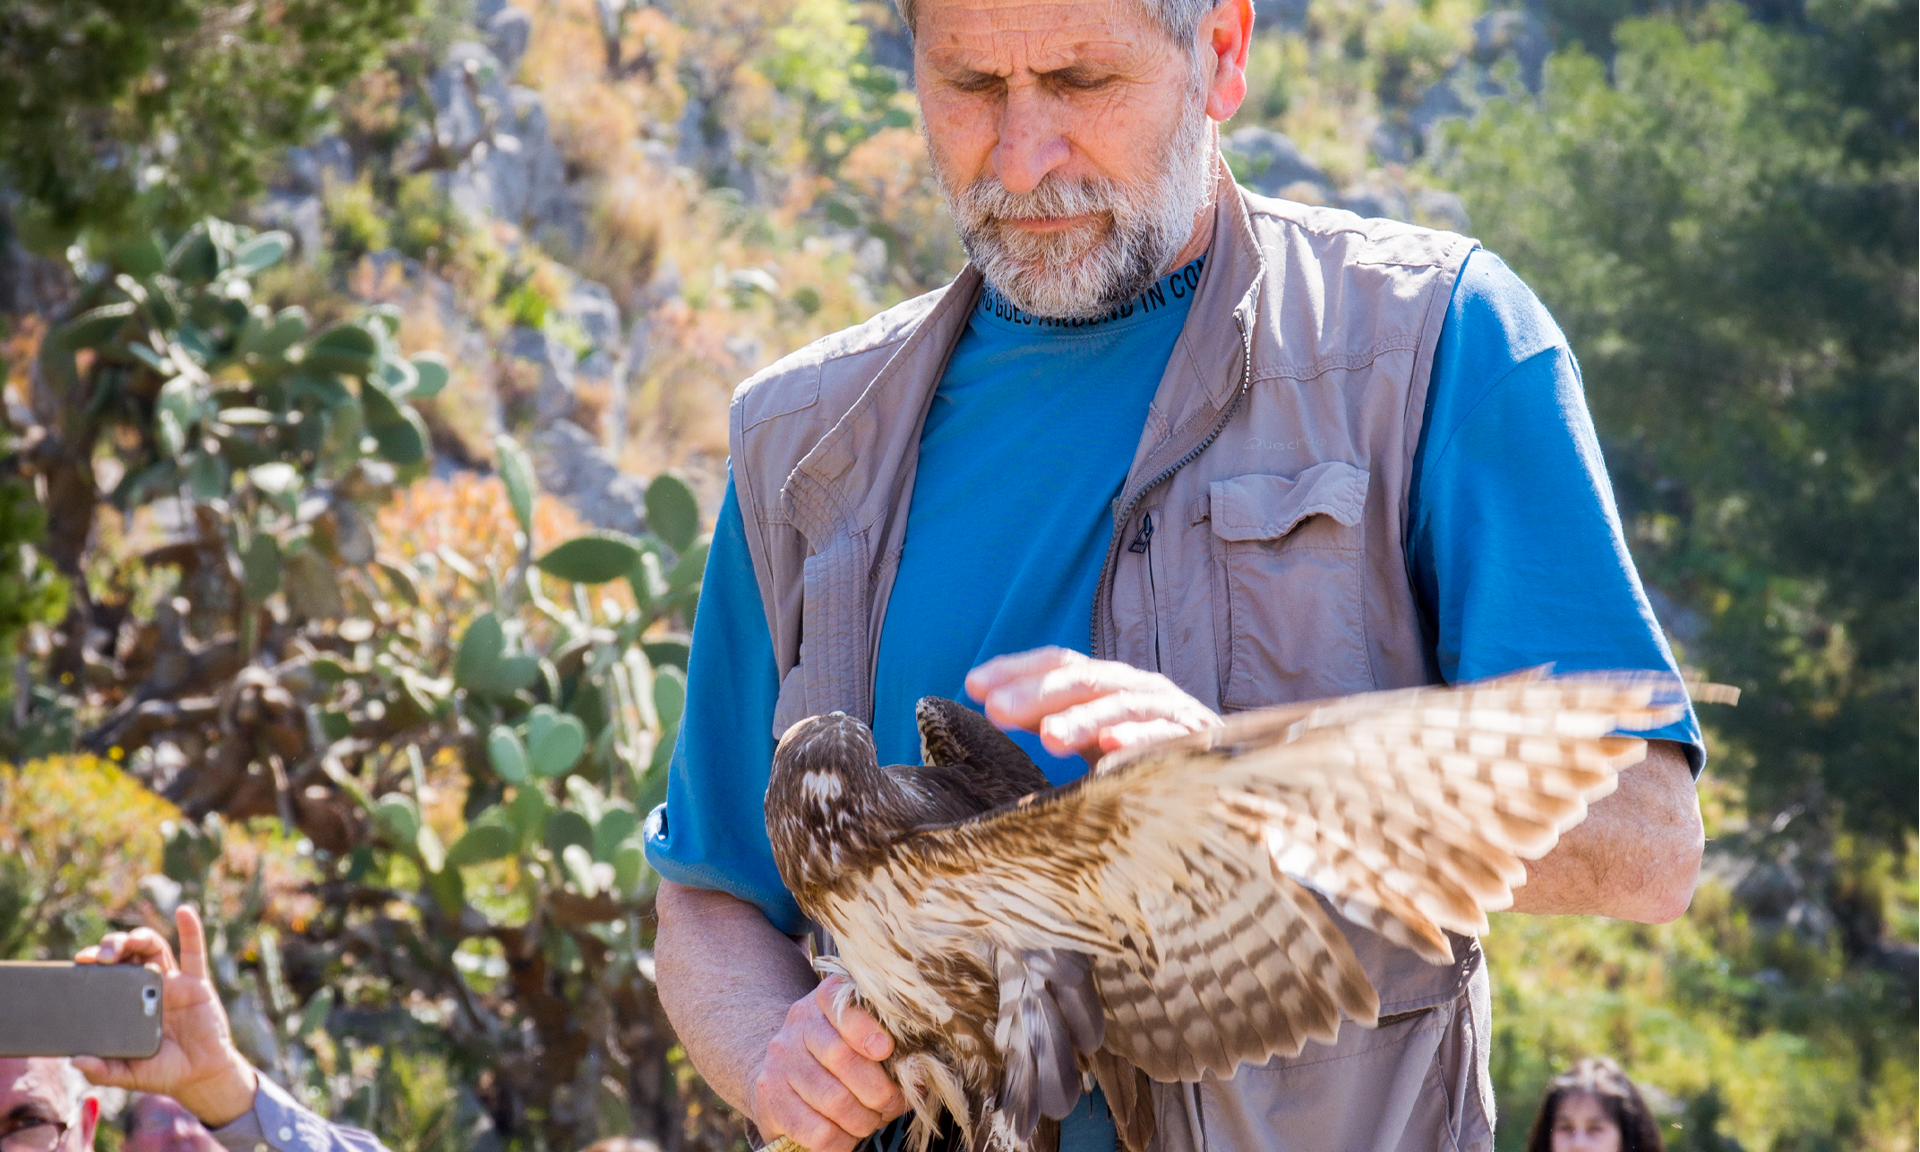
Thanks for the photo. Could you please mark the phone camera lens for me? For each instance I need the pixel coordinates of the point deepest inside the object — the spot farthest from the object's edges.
(151, 998)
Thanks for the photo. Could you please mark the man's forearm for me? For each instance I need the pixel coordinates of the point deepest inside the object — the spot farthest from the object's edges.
(1637, 854)
(727, 978)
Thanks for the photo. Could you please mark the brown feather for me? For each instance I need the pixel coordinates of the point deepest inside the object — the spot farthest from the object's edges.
(1192, 871)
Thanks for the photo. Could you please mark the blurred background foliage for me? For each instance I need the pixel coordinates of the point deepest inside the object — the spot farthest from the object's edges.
(366, 372)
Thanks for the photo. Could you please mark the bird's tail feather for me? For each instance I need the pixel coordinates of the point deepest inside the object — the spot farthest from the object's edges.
(1050, 1017)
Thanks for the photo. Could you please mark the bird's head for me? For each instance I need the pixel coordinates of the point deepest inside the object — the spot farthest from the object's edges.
(826, 777)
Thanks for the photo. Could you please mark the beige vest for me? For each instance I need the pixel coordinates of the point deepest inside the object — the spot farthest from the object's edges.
(1257, 558)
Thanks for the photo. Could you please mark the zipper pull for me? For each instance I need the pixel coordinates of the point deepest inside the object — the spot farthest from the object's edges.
(1141, 537)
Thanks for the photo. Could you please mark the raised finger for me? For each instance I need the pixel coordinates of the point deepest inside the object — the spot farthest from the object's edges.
(193, 941)
(1000, 669)
(866, 1079)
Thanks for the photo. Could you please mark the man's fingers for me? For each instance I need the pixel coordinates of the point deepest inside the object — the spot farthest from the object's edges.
(1134, 733)
(1025, 702)
(779, 1111)
(140, 946)
(831, 1097)
(855, 1024)
(999, 670)
(193, 941)
(866, 1081)
(1084, 726)
(104, 1073)
(105, 952)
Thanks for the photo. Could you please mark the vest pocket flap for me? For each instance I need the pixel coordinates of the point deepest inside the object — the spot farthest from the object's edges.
(1257, 507)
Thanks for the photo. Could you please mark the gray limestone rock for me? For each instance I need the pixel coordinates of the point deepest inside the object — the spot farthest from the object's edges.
(1271, 162)
(1382, 201)
(573, 466)
(299, 215)
(469, 92)
(508, 33)
(520, 176)
(308, 169)
(553, 397)
(1437, 209)
(1515, 31)
(589, 305)
(1442, 101)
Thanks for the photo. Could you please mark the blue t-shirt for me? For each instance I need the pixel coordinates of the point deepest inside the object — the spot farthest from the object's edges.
(1514, 544)
(1039, 420)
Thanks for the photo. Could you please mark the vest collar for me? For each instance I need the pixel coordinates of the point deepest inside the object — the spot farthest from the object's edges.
(820, 505)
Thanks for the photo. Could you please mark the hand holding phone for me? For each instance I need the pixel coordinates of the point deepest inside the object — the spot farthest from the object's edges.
(197, 1063)
(61, 1009)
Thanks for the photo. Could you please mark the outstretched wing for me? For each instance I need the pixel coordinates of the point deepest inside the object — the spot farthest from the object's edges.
(1184, 869)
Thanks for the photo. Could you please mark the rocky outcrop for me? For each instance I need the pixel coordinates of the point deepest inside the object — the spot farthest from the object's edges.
(572, 465)
(1271, 164)
(494, 137)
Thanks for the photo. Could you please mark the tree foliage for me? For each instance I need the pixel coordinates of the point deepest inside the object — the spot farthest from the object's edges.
(116, 114)
(1725, 225)
(466, 748)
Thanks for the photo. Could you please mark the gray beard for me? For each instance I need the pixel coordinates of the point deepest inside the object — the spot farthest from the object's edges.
(1131, 239)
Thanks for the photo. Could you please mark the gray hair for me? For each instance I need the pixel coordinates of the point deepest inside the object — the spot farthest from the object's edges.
(76, 1086)
(1179, 19)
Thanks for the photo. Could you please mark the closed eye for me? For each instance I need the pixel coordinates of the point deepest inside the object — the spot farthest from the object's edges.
(973, 81)
(1081, 79)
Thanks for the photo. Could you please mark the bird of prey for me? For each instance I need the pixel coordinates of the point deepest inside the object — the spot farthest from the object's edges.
(1157, 919)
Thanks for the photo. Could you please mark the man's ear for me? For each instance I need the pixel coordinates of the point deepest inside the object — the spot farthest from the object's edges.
(89, 1120)
(1226, 34)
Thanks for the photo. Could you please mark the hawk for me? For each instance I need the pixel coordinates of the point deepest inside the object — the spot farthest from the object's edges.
(1157, 919)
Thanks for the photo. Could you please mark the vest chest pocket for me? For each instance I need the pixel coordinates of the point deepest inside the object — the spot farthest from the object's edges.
(1290, 558)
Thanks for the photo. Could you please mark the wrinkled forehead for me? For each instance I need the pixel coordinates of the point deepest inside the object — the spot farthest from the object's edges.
(35, 1080)
(1002, 36)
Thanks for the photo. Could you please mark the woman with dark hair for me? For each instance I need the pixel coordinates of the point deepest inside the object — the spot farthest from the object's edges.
(1594, 1108)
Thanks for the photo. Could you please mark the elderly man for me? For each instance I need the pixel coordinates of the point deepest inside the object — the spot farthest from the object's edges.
(198, 1065)
(45, 1106)
(1163, 450)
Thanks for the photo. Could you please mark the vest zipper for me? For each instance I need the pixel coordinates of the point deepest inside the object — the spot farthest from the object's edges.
(1143, 544)
(1125, 512)
(1143, 539)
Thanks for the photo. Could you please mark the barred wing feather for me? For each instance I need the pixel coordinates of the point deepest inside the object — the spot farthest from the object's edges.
(1187, 870)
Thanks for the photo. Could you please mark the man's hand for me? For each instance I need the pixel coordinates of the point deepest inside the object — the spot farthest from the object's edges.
(197, 1063)
(1077, 704)
(821, 1082)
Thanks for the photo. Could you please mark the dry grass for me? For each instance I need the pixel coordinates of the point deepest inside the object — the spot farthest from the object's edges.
(469, 514)
(633, 209)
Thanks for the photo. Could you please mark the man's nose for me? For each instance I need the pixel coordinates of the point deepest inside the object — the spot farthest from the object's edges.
(1031, 141)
